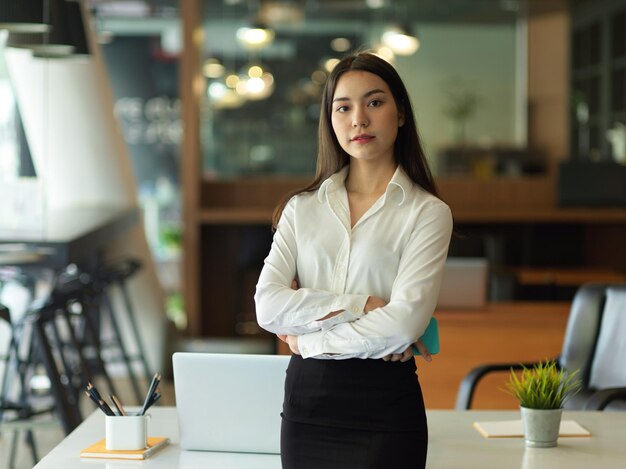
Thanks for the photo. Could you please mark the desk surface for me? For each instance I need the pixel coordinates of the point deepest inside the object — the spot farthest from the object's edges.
(453, 444)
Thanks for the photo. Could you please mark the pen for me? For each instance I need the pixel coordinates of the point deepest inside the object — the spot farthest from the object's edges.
(117, 404)
(100, 403)
(97, 398)
(155, 397)
(92, 389)
(105, 407)
(90, 396)
(155, 382)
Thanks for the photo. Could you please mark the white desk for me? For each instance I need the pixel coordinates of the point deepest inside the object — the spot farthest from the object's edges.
(453, 444)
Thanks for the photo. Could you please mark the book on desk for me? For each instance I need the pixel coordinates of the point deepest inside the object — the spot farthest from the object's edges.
(514, 429)
(98, 450)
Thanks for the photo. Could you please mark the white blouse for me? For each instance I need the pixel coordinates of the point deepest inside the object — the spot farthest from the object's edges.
(396, 251)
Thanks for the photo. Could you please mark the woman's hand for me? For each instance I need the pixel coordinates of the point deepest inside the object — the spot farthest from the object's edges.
(423, 350)
(408, 353)
(374, 302)
(400, 357)
(292, 341)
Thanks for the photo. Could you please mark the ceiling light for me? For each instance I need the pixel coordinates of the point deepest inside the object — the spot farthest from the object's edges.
(318, 77)
(223, 97)
(385, 53)
(23, 16)
(330, 64)
(255, 37)
(400, 41)
(212, 68)
(274, 12)
(268, 78)
(217, 90)
(255, 85)
(375, 4)
(66, 36)
(255, 88)
(340, 44)
(255, 71)
(231, 80)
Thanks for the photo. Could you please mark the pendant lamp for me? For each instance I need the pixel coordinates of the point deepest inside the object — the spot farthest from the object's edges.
(65, 38)
(23, 16)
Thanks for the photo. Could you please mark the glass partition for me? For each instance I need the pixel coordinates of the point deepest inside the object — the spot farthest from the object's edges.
(463, 61)
(23, 205)
(141, 43)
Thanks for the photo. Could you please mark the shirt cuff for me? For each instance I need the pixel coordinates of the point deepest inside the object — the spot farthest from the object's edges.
(310, 345)
(344, 316)
(318, 345)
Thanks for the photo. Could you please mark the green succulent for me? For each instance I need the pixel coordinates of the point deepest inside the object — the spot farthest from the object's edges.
(544, 386)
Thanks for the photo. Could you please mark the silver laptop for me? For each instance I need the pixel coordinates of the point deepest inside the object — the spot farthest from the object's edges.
(229, 402)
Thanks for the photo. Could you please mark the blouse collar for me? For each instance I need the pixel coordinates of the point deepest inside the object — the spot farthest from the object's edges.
(397, 189)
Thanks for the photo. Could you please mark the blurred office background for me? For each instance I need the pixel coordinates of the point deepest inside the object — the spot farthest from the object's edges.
(202, 114)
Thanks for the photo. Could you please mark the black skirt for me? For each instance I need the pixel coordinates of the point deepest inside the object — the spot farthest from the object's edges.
(360, 414)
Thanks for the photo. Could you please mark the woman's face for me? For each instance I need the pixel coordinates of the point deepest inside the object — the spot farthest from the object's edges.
(365, 117)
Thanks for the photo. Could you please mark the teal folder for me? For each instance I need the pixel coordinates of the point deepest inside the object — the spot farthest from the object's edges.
(430, 338)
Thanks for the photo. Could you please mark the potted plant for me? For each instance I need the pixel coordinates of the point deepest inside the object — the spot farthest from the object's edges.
(542, 390)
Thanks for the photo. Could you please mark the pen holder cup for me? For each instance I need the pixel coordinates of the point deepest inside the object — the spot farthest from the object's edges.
(126, 432)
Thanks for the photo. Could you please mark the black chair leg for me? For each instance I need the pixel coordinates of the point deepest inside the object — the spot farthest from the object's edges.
(30, 441)
(67, 406)
(12, 351)
(13, 452)
(133, 323)
(125, 356)
(92, 338)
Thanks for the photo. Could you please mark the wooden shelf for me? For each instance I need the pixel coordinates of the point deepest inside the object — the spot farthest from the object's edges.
(500, 200)
(568, 277)
(263, 215)
(556, 215)
(235, 216)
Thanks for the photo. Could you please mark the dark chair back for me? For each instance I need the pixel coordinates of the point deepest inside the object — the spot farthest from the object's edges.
(594, 343)
(590, 328)
(581, 333)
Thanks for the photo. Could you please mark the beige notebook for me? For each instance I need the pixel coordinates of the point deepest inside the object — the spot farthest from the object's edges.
(98, 450)
(514, 429)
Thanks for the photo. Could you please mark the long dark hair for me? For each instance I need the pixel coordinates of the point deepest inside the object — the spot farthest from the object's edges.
(408, 151)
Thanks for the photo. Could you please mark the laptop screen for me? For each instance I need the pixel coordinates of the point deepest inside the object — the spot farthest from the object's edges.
(229, 402)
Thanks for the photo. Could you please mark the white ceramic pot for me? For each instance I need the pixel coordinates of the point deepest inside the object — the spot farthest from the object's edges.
(541, 426)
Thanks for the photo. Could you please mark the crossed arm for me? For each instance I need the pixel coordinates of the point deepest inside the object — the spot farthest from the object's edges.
(372, 303)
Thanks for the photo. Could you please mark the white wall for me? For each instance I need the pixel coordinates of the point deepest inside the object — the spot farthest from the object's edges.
(484, 59)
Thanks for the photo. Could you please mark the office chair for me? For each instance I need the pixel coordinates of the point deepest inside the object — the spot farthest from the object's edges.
(100, 285)
(67, 377)
(67, 343)
(594, 336)
(20, 404)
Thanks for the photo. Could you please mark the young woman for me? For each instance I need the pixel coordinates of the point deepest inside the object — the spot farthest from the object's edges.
(352, 279)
